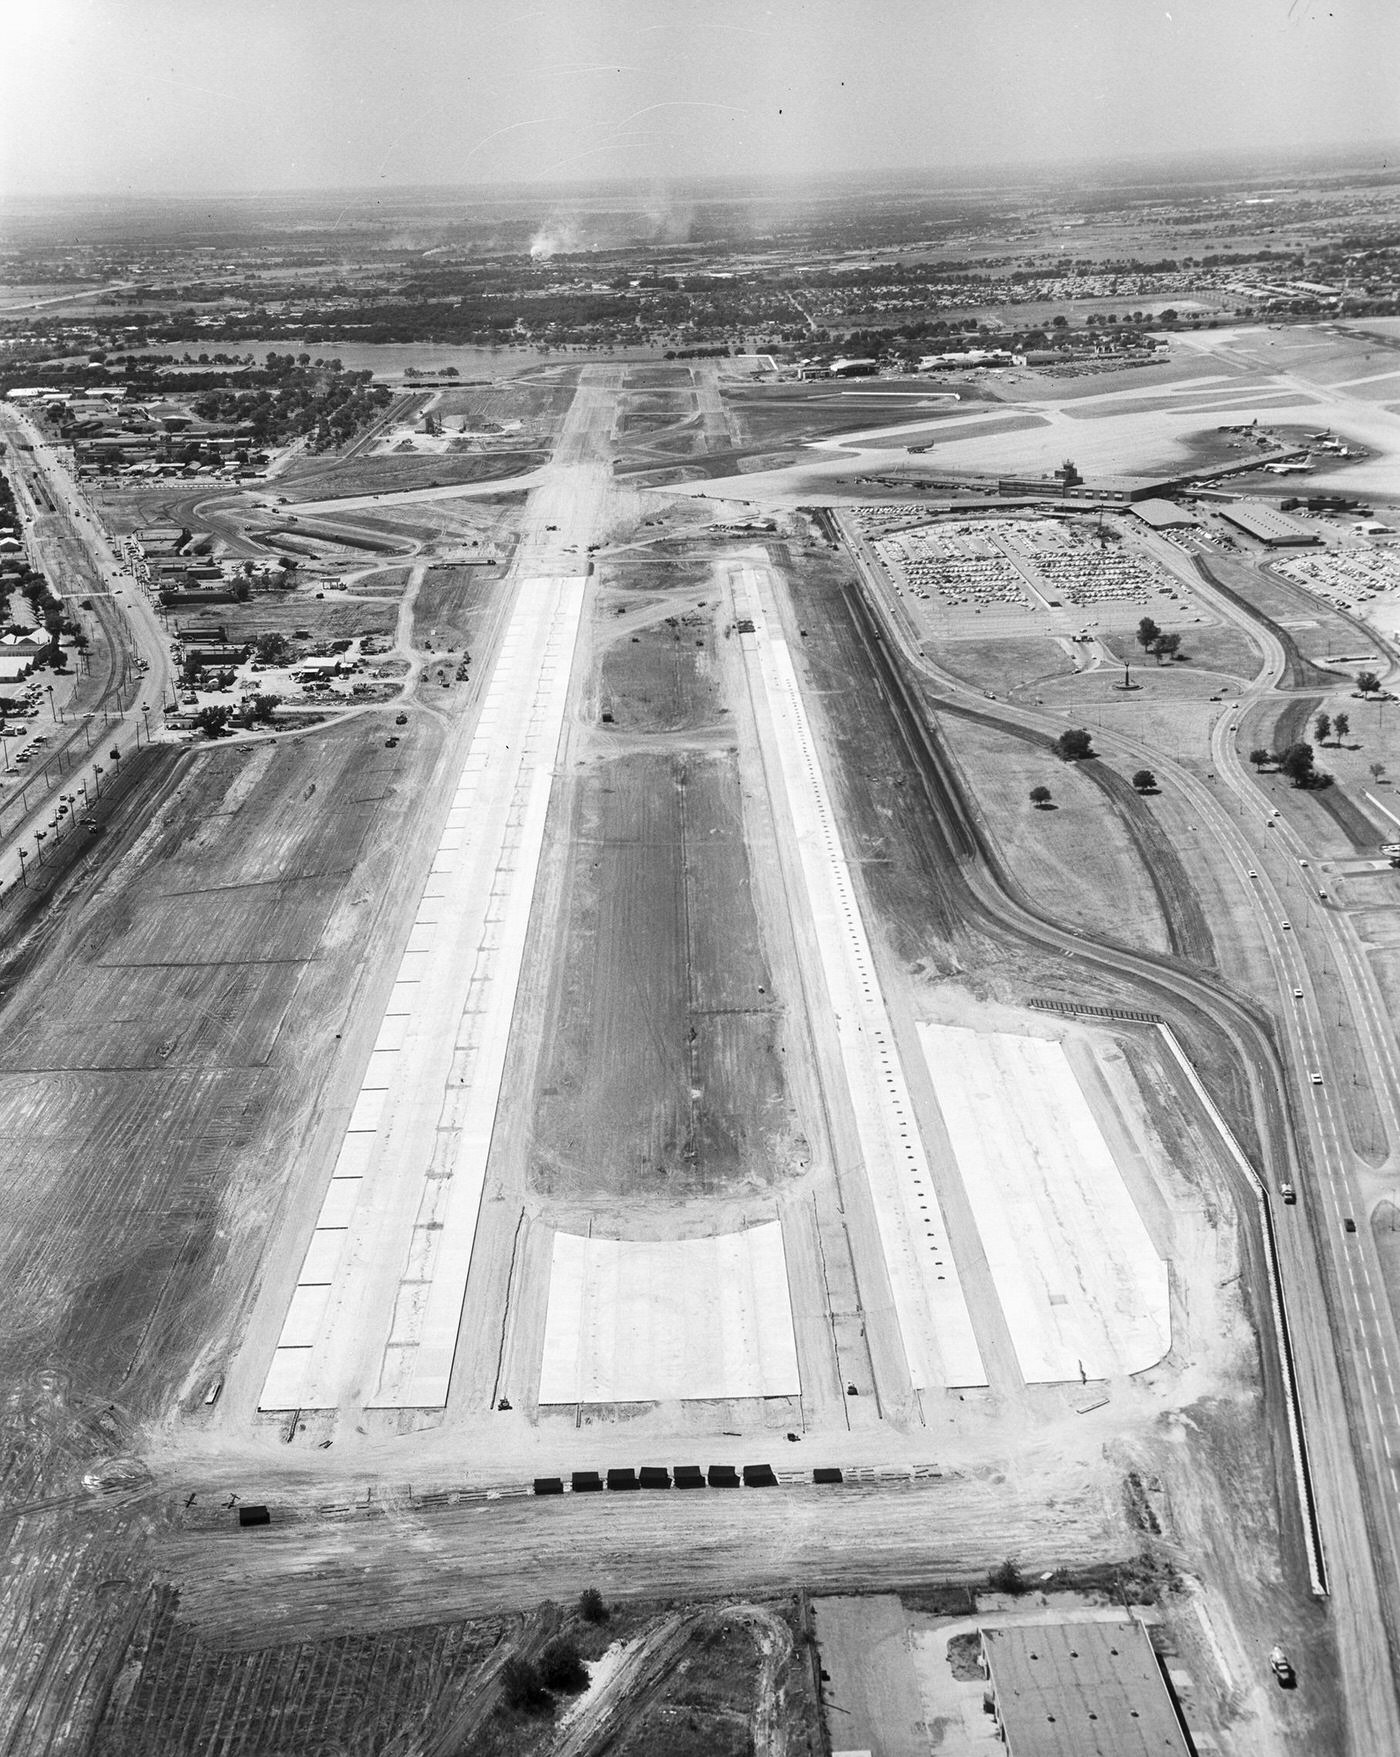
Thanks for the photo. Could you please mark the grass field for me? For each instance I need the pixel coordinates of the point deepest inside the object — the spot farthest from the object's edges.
(387, 475)
(1003, 665)
(1217, 647)
(1075, 860)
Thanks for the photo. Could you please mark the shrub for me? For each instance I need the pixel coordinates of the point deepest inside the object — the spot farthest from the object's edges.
(1007, 1577)
(591, 1607)
(1073, 745)
(562, 1667)
(521, 1685)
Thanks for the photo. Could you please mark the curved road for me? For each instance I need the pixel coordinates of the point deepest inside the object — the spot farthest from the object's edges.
(1335, 1308)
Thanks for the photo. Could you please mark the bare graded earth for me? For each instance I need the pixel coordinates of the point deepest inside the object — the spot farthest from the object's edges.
(663, 1080)
(666, 1087)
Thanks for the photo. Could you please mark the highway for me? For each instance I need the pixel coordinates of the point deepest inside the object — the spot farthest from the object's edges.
(128, 632)
(1343, 1335)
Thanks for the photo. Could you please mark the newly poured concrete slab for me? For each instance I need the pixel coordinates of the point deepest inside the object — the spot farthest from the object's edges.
(939, 1343)
(388, 1261)
(644, 1321)
(1083, 1289)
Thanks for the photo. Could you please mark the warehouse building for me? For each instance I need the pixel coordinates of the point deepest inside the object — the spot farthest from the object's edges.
(1080, 1690)
(1273, 529)
(1164, 515)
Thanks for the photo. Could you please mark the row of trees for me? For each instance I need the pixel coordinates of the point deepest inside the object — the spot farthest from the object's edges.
(1296, 760)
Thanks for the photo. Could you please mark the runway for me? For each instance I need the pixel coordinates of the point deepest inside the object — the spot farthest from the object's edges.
(939, 1343)
(374, 1317)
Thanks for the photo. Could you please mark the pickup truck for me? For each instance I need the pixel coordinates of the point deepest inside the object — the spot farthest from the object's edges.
(1282, 1669)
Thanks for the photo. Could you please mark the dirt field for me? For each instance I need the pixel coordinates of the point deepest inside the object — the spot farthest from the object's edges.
(664, 679)
(325, 619)
(664, 1074)
(451, 605)
(191, 1022)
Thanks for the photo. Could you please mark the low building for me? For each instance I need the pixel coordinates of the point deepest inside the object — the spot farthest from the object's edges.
(23, 644)
(1080, 1690)
(1266, 525)
(853, 368)
(1164, 515)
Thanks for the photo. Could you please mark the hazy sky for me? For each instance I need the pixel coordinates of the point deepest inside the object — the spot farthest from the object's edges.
(189, 96)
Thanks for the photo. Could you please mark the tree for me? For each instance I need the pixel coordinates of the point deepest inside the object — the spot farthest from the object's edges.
(1377, 770)
(272, 648)
(1145, 781)
(1323, 727)
(562, 1667)
(1297, 763)
(1071, 746)
(591, 1607)
(1040, 797)
(1259, 756)
(1007, 1577)
(265, 706)
(1367, 682)
(521, 1685)
(212, 721)
(1166, 646)
(1341, 726)
(1147, 633)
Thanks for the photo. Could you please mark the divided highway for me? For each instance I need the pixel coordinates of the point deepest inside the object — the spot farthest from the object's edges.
(1343, 1336)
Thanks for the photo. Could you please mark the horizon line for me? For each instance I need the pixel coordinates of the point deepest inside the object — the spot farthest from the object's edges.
(1030, 170)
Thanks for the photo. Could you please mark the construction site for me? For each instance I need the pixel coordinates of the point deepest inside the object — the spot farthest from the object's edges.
(657, 1040)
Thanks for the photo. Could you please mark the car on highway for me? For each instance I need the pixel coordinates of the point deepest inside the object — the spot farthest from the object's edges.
(1348, 1225)
(1252, 873)
(1297, 994)
(1322, 895)
(1316, 1078)
(1302, 863)
(1289, 1194)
